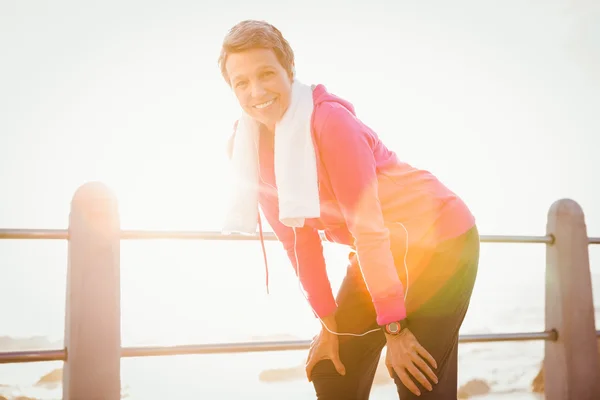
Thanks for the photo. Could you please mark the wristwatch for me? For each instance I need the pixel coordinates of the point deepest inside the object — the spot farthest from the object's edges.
(394, 328)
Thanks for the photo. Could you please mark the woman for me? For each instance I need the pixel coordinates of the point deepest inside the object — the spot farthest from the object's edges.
(415, 245)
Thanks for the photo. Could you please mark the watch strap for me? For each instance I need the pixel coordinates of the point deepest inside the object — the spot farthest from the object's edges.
(394, 328)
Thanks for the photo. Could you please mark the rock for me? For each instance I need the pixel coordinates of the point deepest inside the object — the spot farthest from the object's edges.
(298, 373)
(475, 387)
(537, 385)
(8, 343)
(51, 378)
(282, 374)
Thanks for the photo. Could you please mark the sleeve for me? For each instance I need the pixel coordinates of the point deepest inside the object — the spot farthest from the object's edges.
(307, 246)
(346, 151)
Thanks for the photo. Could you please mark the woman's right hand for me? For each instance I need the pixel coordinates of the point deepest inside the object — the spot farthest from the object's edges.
(325, 346)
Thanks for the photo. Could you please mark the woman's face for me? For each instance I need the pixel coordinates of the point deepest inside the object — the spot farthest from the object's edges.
(261, 84)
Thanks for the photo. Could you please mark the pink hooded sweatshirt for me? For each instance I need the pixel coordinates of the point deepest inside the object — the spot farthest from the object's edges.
(365, 193)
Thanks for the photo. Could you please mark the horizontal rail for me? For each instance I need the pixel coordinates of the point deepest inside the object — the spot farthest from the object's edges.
(29, 356)
(249, 347)
(63, 234)
(45, 234)
(253, 347)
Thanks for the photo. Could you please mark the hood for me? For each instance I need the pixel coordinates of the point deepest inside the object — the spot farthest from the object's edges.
(321, 95)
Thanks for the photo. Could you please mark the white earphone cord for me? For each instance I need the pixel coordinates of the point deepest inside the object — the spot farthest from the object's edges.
(323, 323)
(300, 283)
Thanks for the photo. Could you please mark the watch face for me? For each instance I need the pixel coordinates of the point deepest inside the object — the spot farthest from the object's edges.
(394, 327)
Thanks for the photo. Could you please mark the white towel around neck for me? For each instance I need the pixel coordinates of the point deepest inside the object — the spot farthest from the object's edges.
(295, 167)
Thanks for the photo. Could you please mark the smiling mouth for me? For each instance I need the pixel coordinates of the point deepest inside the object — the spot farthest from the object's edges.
(265, 104)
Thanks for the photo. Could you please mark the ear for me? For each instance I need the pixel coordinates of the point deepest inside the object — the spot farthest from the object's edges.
(231, 141)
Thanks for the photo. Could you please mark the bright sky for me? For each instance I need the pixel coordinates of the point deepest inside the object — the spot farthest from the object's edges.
(499, 99)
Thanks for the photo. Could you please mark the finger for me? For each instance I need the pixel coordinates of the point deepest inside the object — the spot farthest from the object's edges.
(389, 367)
(308, 369)
(310, 363)
(308, 358)
(425, 354)
(407, 381)
(337, 363)
(390, 370)
(388, 363)
(423, 366)
(418, 375)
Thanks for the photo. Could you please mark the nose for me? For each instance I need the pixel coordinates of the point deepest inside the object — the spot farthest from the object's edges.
(258, 91)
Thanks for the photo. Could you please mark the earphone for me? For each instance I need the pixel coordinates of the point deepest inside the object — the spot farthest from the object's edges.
(322, 322)
(300, 283)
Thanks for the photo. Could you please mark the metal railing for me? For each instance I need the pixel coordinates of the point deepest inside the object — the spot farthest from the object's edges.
(249, 347)
(63, 234)
(146, 351)
(566, 238)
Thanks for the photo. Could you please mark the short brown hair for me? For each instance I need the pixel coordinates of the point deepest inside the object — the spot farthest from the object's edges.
(253, 34)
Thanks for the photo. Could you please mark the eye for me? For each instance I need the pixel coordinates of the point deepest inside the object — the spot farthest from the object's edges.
(267, 74)
(240, 84)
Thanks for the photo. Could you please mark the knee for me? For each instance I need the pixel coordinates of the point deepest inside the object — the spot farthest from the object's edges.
(446, 388)
(328, 383)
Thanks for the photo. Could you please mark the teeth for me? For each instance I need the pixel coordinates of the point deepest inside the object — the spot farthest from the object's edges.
(266, 104)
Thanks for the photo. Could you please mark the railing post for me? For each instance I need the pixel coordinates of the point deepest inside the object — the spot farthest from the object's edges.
(93, 305)
(572, 368)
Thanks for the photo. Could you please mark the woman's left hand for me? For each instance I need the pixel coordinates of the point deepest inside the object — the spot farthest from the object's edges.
(325, 346)
(404, 355)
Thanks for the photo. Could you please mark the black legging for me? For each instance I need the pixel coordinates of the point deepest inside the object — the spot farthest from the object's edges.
(435, 323)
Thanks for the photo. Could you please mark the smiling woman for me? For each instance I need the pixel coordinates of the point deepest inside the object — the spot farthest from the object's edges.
(305, 158)
(260, 69)
(261, 84)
